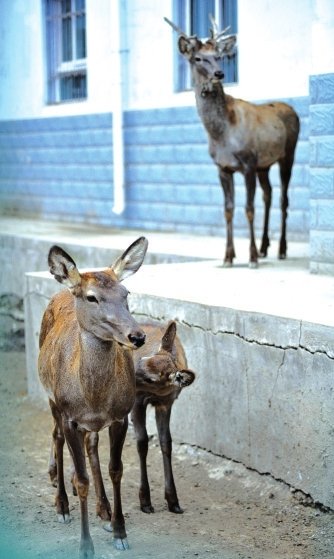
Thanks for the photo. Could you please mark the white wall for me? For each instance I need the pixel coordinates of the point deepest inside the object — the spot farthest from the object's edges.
(274, 48)
(323, 37)
(21, 61)
(280, 45)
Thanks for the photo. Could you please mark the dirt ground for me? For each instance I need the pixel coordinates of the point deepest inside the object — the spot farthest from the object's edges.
(229, 512)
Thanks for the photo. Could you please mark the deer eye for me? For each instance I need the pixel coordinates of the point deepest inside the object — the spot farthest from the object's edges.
(92, 299)
(198, 59)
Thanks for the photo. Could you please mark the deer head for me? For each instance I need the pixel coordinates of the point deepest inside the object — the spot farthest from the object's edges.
(161, 368)
(100, 299)
(204, 55)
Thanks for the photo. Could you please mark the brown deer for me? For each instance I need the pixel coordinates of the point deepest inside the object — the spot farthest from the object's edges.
(86, 366)
(242, 136)
(161, 374)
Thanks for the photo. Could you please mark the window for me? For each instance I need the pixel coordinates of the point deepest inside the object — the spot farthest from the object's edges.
(192, 16)
(66, 50)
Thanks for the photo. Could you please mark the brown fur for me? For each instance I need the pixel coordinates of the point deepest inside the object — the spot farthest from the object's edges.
(161, 374)
(242, 137)
(86, 366)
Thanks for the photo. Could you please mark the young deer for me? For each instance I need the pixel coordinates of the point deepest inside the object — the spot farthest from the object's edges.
(161, 373)
(86, 366)
(242, 136)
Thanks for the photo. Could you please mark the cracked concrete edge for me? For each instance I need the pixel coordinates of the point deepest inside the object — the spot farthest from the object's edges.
(256, 328)
(262, 396)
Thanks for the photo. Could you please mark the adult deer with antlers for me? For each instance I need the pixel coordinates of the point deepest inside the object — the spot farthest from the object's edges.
(86, 366)
(242, 136)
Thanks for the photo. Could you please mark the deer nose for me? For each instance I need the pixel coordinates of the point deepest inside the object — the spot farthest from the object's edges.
(219, 74)
(137, 338)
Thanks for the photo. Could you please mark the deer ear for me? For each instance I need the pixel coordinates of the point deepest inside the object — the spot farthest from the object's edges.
(185, 45)
(226, 45)
(131, 259)
(169, 336)
(63, 267)
(185, 377)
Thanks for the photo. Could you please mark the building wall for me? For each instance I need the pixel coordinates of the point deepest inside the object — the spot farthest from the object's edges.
(58, 168)
(61, 168)
(322, 173)
(280, 45)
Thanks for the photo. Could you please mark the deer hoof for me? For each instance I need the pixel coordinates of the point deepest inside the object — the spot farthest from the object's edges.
(147, 508)
(86, 550)
(121, 544)
(64, 518)
(103, 512)
(227, 264)
(253, 265)
(108, 527)
(176, 509)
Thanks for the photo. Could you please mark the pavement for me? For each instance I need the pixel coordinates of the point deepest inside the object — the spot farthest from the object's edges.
(191, 268)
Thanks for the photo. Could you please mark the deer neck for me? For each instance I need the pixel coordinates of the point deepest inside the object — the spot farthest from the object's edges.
(211, 106)
(98, 364)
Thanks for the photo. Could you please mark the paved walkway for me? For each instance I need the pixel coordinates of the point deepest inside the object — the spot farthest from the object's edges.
(284, 288)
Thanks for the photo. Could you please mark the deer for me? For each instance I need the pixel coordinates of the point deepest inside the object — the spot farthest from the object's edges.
(86, 366)
(242, 136)
(161, 374)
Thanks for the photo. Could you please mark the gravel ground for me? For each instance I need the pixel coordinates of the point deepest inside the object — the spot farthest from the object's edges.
(230, 512)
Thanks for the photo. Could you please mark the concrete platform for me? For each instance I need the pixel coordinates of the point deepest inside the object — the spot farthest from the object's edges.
(284, 288)
(261, 342)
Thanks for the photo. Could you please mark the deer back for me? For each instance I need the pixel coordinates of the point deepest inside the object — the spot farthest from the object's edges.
(238, 131)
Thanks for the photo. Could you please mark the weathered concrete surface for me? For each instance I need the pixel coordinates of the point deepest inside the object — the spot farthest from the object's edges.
(265, 382)
(261, 341)
(24, 245)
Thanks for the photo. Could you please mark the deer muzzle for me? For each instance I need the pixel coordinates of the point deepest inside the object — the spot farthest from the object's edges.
(137, 338)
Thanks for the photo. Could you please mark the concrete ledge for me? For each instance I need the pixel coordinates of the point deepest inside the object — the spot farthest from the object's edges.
(265, 364)
(24, 245)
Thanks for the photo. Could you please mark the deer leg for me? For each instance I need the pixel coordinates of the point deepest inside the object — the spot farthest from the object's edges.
(226, 181)
(138, 416)
(266, 188)
(53, 458)
(57, 468)
(285, 166)
(103, 508)
(250, 178)
(75, 443)
(117, 433)
(162, 415)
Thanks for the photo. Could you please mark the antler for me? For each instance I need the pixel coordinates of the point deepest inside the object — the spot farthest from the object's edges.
(222, 43)
(175, 27)
(215, 34)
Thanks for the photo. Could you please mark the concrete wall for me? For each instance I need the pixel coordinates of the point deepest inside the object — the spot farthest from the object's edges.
(62, 169)
(264, 386)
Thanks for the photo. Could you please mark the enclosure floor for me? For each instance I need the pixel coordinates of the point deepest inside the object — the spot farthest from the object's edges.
(229, 512)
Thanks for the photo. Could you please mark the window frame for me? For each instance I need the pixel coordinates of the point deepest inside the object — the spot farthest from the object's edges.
(225, 13)
(58, 69)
